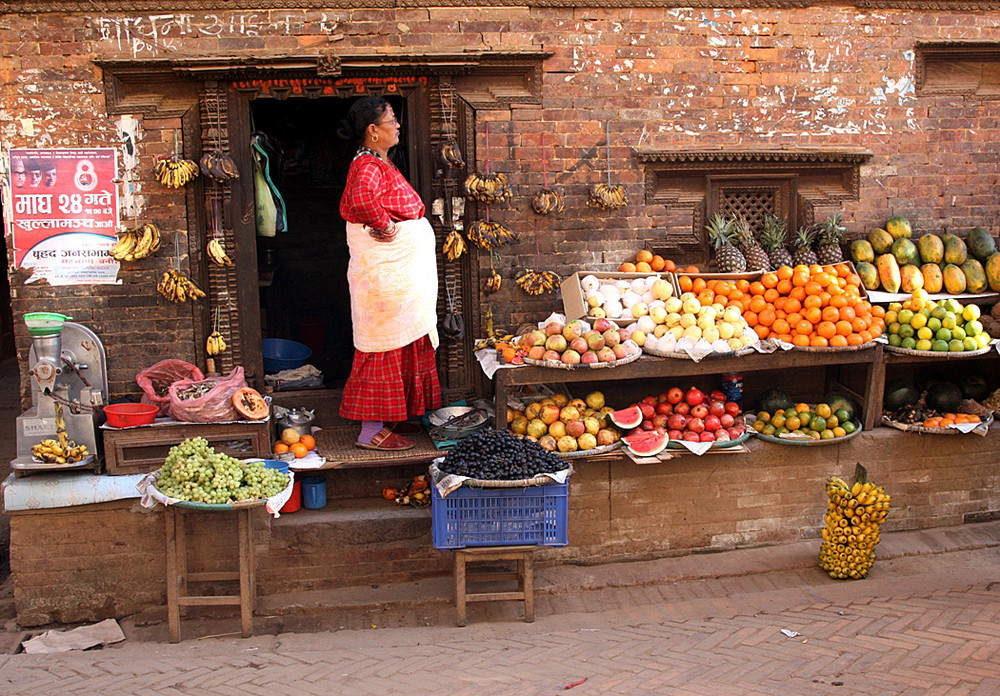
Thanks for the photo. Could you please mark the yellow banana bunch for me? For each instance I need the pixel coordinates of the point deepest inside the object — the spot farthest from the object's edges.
(490, 235)
(451, 155)
(454, 245)
(177, 287)
(175, 172)
(215, 343)
(217, 253)
(492, 340)
(218, 166)
(136, 243)
(608, 196)
(54, 452)
(488, 188)
(536, 282)
(492, 283)
(547, 201)
(854, 514)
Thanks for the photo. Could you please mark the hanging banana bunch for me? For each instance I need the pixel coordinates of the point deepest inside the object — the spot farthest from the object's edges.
(215, 343)
(454, 245)
(451, 155)
(217, 253)
(490, 235)
(136, 243)
(546, 201)
(488, 188)
(218, 166)
(536, 282)
(175, 172)
(177, 287)
(492, 283)
(608, 196)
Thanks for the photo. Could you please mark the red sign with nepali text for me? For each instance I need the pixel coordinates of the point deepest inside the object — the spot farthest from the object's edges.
(63, 213)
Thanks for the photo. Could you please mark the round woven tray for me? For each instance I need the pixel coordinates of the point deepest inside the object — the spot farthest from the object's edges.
(563, 366)
(916, 428)
(809, 443)
(940, 355)
(681, 355)
(830, 349)
(674, 445)
(216, 507)
(592, 451)
(539, 480)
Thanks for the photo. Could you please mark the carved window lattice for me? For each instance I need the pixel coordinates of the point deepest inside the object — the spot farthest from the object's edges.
(752, 205)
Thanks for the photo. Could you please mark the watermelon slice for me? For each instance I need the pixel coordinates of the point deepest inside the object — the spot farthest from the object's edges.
(647, 444)
(626, 418)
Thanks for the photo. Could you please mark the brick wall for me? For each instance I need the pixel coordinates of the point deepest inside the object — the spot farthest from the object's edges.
(664, 78)
(91, 562)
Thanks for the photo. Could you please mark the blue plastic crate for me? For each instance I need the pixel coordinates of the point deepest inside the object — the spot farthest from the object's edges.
(530, 516)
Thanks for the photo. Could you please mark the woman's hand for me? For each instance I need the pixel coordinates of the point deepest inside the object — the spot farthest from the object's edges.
(386, 235)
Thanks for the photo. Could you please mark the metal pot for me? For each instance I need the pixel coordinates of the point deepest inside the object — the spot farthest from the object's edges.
(299, 420)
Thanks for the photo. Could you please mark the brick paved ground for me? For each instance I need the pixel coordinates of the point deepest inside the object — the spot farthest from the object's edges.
(926, 621)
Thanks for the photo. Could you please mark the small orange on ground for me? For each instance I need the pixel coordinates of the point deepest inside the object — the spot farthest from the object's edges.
(309, 441)
(299, 450)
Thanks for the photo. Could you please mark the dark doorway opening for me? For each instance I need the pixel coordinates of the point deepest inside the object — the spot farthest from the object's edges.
(304, 295)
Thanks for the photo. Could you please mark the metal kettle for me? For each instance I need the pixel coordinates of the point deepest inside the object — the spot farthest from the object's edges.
(298, 419)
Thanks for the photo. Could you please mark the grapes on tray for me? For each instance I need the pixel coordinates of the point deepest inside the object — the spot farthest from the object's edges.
(194, 471)
(498, 455)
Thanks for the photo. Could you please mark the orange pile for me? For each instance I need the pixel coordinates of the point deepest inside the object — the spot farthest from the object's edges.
(950, 419)
(648, 262)
(816, 306)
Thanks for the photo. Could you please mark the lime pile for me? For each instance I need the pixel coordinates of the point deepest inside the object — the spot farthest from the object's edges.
(945, 326)
(822, 422)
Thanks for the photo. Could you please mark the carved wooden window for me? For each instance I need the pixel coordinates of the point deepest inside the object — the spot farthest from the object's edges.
(959, 67)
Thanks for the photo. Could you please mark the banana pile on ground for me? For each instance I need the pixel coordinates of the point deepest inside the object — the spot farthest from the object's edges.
(608, 196)
(177, 287)
(218, 166)
(416, 493)
(488, 188)
(890, 260)
(854, 512)
(61, 451)
(217, 252)
(175, 172)
(136, 243)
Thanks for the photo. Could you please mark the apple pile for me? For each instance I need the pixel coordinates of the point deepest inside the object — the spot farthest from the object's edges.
(692, 415)
(565, 425)
(576, 343)
(624, 299)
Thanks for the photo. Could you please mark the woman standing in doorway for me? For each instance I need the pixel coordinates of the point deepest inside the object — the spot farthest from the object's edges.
(393, 281)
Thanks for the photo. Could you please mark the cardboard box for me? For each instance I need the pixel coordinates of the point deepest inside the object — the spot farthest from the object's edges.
(574, 304)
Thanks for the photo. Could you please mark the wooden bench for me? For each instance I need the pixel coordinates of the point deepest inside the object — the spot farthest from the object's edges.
(522, 555)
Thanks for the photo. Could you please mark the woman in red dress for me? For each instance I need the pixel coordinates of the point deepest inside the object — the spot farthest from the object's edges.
(393, 280)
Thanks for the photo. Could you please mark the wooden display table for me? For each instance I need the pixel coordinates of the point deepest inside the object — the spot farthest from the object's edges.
(522, 555)
(178, 575)
(143, 449)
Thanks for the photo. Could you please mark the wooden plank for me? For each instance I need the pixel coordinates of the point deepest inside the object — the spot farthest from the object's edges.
(213, 576)
(460, 590)
(173, 606)
(210, 601)
(246, 572)
(493, 596)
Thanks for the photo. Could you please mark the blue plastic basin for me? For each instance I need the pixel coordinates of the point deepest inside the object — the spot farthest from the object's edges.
(282, 354)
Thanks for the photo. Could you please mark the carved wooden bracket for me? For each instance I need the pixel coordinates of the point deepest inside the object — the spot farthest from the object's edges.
(109, 6)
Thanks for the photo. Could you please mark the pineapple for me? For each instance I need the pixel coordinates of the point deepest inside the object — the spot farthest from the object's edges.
(828, 240)
(772, 238)
(804, 255)
(721, 234)
(753, 252)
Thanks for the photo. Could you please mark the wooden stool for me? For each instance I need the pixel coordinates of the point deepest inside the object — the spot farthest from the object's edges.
(178, 575)
(525, 587)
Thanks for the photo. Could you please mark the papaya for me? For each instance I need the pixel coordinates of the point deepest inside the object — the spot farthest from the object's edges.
(868, 274)
(910, 278)
(933, 280)
(975, 276)
(888, 272)
(954, 279)
(905, 252)
(899, 227)
(981, 243)
(992, 270)
(931, 248)
(861, 250)
(955, 251)
(880, 240)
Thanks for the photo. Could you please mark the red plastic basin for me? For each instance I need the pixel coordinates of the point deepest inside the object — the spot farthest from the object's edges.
(129, 415)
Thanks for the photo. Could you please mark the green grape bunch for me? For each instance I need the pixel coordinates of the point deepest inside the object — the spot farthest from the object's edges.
(194, 471)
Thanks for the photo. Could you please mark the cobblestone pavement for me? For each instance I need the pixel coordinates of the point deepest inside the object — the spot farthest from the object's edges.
(756, 621)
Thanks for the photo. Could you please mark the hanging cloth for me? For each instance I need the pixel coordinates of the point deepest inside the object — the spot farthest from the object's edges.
(271, 211)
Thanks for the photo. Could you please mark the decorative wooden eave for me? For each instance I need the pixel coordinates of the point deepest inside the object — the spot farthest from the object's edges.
(165, 87)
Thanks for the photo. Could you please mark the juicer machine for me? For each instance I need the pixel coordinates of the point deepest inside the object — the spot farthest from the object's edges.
(69, 384)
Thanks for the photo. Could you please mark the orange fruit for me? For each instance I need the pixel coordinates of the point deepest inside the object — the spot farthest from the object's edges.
(657, 263)
(818, 342)
(692, 269)
(743, 285)
(769, 279)
(669, 265)
(784, 273)
(627, 267)
(838, 341)
(685, 283)
(280, 448)
(643, 267)
(309, 441)
(643, 256)
(826, 329)
(299, 450)
(698, 284)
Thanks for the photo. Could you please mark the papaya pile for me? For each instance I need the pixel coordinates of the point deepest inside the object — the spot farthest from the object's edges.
(854, 515)
(890, 259)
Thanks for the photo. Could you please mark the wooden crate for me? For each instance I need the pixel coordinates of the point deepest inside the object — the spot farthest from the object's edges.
(141, 450)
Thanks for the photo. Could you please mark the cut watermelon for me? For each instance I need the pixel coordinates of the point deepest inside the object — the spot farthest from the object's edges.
(626, 418)
(647, 444)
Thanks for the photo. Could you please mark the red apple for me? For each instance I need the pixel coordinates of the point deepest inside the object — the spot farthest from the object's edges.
(712, 423)
(696, 425)
(717, 408)
(675, 395)
(677, 422)
(553, 328)
(602, 324)
(699, 410)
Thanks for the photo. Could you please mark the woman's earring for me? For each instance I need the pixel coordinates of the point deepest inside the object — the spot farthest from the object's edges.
(375, 138)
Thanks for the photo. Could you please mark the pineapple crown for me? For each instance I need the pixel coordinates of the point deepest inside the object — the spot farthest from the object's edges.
(805, 235)
(774, 232)
(831, 231)
(743, 231)
(720, 231)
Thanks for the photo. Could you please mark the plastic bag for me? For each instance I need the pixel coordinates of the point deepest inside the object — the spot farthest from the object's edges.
(206, 400)
(155, 381)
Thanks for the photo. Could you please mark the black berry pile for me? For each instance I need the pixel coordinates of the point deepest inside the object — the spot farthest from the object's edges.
(498, 455)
